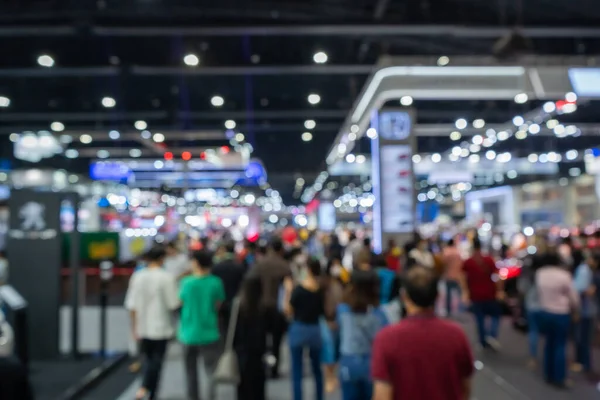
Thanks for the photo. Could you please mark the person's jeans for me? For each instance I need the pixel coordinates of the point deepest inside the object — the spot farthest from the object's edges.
(355, 377)
(451, 288)
(483, 310)
(556, 329)
(533, 331)
(583, 342)
(306, 336)
(210, 353)
(154, 355)
(329, 340)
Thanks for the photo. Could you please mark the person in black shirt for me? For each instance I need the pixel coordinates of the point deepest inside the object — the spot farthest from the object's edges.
(250, 341)
(232, 274)
(306, 307)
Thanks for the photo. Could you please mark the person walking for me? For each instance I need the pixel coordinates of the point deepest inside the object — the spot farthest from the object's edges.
(483, 290)
(231, 272)
(453, 263)
(306, 307)
(584, 328)
(334, 291)
(422, 357)
(250, 341)
(359, 319)
(559, 302)
(201, 295)
(274, 271)
(151, 300)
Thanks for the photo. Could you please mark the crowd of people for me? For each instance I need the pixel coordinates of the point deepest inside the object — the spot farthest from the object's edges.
(350, 313)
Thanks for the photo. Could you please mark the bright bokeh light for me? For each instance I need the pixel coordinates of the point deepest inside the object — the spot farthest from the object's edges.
(436, 158)
(518, 120)
(57, 126)
(406, 101)
(85, 139)
(4, 101)
(191, 60)
(217, 101)
(314, 99)
(45, 61)
(158, 137)
(455, 136)
(108, 102)
(478, 123)
(135, 153)
(372, 133)
(114, 135)
(140, 125)
(307, 137)
(443, 61)
(461, 123)
(310, 124)
(320, 57)
(239, 137)
(350, 158)
(230, 124)
(521, 98)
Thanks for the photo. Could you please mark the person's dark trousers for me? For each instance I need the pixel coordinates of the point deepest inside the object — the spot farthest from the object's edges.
(224, 315)
(252, 377)
(153, 352)
(556, 329)
(451, 287)
(583, 342)
(533, 331)
(355, 379)
(210, 353)
(301, 337)
(275, 326)
(482, 310)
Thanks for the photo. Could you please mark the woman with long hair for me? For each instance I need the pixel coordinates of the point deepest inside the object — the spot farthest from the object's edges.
(334, 290)
(306, 308)
(359, 320)
(250, 341)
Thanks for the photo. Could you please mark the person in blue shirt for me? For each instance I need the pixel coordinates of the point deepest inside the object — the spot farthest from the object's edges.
(584, 283)
(359, 319)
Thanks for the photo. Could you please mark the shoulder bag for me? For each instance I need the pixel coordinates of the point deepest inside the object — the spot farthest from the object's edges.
(228, 370)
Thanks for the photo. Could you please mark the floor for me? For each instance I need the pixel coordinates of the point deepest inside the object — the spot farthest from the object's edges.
(501, 376)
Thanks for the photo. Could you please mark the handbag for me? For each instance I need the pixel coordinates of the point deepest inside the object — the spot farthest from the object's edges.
(227, 370)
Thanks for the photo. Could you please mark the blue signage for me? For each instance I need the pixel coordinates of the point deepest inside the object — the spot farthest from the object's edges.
(109, 171)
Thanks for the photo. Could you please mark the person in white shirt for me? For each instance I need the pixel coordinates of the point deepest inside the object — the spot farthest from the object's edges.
(151, 299)
(176, 262)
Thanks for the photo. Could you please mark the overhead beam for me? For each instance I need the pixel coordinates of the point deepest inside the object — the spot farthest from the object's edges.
(244, 71)
(60, 72)
(350, 30)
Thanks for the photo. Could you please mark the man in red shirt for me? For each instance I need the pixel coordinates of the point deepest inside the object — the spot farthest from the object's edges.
(422, 357)
(483, 289)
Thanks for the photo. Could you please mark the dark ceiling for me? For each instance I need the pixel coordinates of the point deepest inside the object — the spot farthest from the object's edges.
(259, 57)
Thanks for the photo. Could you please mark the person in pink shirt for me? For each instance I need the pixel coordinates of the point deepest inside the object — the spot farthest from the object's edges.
(453, 264)
(559, 302)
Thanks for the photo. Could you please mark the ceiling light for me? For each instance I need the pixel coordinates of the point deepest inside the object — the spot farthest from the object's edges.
(255, 59)
(571, 130)
(465, 152)
(239, 137)
(360, 159)
(140, 125)
(534, 129)
(443, 61)
(549, 107)
(571, 97)
(436, 158)
(57, 126)
(314, 99)
(455, 136)
(474, 148)
(320, 57)
(108, 102)
(559, 129)
(217, 101)
(85, 139)
(158, 137)
(341, 148)
(114, 135)
(45, 61)
(456, 150)
(518, 120)
(572, 155)
(352, 136)
(230, 124)
(158, 164)
(521, 98)
(191, 59)
(71, 153)
(461, 123)
(532, 158)
(416, 158)
(569, 108)
(135, 153)
(490, 154)
(14, 137)
(512, 174)
(372, 133)
(103, 154)
(146, 134)
(478, 123)
(504, 157)
(350, 158)
(406, 101)
(307, 136)
(4, 101)
(310, 124)
(65, 139)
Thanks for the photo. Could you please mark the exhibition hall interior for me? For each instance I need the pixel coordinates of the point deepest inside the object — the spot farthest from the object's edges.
(165, 163)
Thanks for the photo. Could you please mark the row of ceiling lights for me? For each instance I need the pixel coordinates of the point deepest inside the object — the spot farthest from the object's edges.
(192, 60)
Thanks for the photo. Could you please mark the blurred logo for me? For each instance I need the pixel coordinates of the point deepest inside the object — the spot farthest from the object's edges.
(32, 215)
